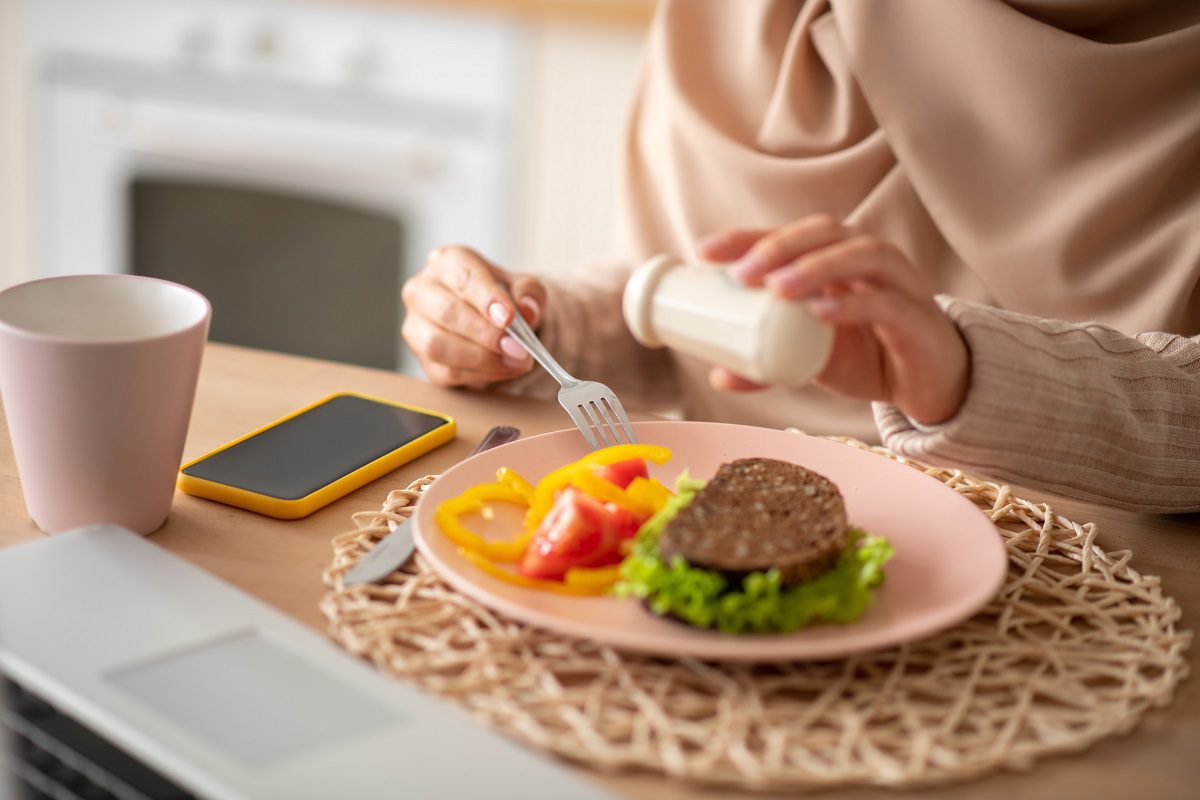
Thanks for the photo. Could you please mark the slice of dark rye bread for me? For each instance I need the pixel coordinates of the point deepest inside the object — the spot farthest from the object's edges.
(759, 513)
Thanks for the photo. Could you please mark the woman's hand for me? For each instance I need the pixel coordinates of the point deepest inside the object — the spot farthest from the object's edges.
(892, 342)
(457, 309)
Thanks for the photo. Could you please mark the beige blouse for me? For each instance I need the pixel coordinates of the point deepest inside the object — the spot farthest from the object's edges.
(1037, 156)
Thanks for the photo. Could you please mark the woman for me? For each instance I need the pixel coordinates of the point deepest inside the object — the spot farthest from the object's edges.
(1034, 164)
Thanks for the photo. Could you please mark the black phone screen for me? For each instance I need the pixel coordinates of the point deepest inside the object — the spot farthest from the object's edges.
(298, 456)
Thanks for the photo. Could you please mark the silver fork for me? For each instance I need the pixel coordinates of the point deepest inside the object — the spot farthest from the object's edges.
(593, 407)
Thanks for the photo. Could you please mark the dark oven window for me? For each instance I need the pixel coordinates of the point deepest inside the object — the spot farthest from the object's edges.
(283, 272)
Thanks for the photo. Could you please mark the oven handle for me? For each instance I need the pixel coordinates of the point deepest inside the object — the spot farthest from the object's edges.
(220, 139)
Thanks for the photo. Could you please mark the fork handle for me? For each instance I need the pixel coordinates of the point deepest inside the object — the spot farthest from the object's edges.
(519, 329)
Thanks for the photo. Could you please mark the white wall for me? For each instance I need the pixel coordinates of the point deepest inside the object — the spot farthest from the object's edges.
(16, 240)
(581, 81)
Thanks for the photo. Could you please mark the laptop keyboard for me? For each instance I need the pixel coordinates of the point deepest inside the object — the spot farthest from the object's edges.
(54, 756)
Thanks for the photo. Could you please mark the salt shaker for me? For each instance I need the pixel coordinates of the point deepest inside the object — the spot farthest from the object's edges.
(698, 308)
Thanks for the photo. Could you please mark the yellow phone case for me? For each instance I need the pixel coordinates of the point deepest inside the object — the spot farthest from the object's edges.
(295, 509)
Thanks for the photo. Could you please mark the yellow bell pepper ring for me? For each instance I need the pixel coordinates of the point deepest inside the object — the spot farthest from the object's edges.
(509, 551)
(448, 516)
(624, 452)
(510, 478)
(592, 484)
(484, 492)
(648, 493)
(600, 578)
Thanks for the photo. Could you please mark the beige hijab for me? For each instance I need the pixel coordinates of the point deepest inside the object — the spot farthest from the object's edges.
(1043, 156)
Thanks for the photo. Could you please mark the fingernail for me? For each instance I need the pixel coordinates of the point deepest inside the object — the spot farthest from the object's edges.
(787, 284)
(512, 349)
(532, 308)
(824, 307)
(498, 313)
(744, 268)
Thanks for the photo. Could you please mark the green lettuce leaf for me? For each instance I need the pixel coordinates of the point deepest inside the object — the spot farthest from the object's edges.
(704, 598)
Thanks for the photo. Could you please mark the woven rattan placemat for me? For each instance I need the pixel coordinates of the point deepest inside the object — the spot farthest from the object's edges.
(1077, 646)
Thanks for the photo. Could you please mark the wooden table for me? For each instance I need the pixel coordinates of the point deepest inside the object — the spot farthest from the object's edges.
(281, 562)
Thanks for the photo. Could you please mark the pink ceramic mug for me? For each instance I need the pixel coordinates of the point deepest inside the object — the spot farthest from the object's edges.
(98, 375)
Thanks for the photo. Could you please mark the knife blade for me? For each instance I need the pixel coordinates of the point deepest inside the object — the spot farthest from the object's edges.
(396, 548)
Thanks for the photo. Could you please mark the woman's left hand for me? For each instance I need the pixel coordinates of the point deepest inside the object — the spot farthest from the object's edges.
(892, 342)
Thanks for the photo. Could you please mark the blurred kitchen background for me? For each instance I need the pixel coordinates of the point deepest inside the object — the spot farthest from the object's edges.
(295, 161)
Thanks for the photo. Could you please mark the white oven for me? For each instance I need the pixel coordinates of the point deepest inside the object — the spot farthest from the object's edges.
(294, 162)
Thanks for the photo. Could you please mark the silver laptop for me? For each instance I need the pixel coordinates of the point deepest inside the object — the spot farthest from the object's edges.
(216, 695)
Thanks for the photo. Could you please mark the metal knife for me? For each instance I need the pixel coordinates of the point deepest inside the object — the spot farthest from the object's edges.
(396, 548)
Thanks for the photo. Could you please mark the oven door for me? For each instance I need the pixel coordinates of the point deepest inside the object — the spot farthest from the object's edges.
(297, 217)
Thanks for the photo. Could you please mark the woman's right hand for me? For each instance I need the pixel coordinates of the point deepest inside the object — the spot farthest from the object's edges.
(457, 307)
(892, 341)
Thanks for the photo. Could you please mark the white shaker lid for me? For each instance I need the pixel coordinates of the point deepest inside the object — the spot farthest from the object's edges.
(637, 301)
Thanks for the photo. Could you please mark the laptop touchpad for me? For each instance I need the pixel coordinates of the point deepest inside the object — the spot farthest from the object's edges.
(251, 699)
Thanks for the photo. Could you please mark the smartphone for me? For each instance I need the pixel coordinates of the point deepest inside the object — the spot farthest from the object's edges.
(315, 455)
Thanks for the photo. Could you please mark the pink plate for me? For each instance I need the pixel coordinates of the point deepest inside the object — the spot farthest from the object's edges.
(949, 559)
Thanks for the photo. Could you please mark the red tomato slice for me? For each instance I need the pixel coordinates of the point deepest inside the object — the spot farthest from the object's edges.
(623, 472)
(626, 522)
(579, 531)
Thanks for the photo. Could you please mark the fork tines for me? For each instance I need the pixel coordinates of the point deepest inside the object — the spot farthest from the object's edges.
(601, 419)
